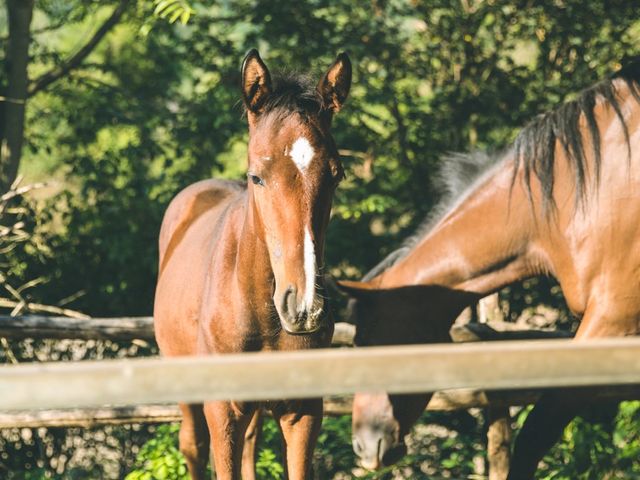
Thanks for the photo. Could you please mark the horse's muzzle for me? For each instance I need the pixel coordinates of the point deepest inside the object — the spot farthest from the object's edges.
(380, 458)
(377, 448)
(298, 318)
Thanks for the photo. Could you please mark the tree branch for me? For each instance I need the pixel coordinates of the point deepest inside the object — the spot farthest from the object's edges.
(76, 59)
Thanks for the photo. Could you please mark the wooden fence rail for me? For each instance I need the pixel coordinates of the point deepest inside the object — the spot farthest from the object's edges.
(41, 326)
(450, 401)
(263, 376)
(91, 417)
(130, 328)
(116, 329)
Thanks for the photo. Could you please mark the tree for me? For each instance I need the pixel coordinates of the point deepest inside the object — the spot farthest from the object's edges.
(13, 103)
(19, 88)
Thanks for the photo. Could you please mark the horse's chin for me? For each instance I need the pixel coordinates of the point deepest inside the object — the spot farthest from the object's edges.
(370, 464)
(313, 323)
(305, 327)
(389, 457)
(297, 330)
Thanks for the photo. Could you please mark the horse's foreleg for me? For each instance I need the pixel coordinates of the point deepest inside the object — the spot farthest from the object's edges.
(194, 440)
(541, 430)
(249, 452)
(227, 427)
(300, 426)
(555, 409)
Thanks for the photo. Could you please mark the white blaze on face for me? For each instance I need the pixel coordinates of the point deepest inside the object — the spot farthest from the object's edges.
(309, 269)
(301, 153)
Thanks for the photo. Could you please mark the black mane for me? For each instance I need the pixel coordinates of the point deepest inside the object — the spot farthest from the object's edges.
(534, 150)
(293, 92)
(535, 145)
(457, 174)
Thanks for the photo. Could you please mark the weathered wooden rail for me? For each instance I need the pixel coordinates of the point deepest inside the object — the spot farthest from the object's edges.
(130, 328)
(41, 326)
(91, 417)
(116, 329)
(450, 401)
(301, 374)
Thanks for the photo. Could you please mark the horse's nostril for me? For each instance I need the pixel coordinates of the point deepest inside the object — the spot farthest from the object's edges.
(289, 302)
(357, 446)
(292, 302)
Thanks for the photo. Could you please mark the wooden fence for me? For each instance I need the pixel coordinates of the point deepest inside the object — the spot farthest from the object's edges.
(130, 328)
(465, 375)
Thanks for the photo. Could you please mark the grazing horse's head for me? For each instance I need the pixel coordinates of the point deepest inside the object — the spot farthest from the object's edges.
(393, 317)
(294, 168)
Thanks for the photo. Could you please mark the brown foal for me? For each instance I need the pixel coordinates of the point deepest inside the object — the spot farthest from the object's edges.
(563, 201)
(240, 263)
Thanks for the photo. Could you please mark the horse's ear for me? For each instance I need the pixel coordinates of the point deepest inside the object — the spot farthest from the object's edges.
(335, 84)
(353, 289)
(256, 81)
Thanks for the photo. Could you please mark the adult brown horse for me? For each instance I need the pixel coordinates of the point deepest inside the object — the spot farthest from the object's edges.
(563, 201)
(239, 264)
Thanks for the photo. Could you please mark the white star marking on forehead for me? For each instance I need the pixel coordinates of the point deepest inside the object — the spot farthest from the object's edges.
(301, 153)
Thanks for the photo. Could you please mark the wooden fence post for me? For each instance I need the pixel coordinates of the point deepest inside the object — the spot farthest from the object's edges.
(498, 419)
(498, 442)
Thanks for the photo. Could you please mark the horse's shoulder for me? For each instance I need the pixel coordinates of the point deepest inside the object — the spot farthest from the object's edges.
(192, 202)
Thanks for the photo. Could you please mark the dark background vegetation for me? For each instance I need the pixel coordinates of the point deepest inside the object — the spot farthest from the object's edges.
(119, 126)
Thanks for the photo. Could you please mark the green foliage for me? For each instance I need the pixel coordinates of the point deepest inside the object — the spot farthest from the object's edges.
(154, 109)
(173, 10)
(159, 458)
(601, 445)
(269, 462)
(152, 113)
(334, 453)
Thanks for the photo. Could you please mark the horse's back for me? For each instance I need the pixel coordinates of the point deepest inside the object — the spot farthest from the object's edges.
(187, 237)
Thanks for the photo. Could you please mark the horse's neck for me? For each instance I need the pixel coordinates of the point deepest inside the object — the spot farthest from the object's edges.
(481, 245)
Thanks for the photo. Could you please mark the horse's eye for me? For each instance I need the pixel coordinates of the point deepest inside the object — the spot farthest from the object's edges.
(256, 180)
